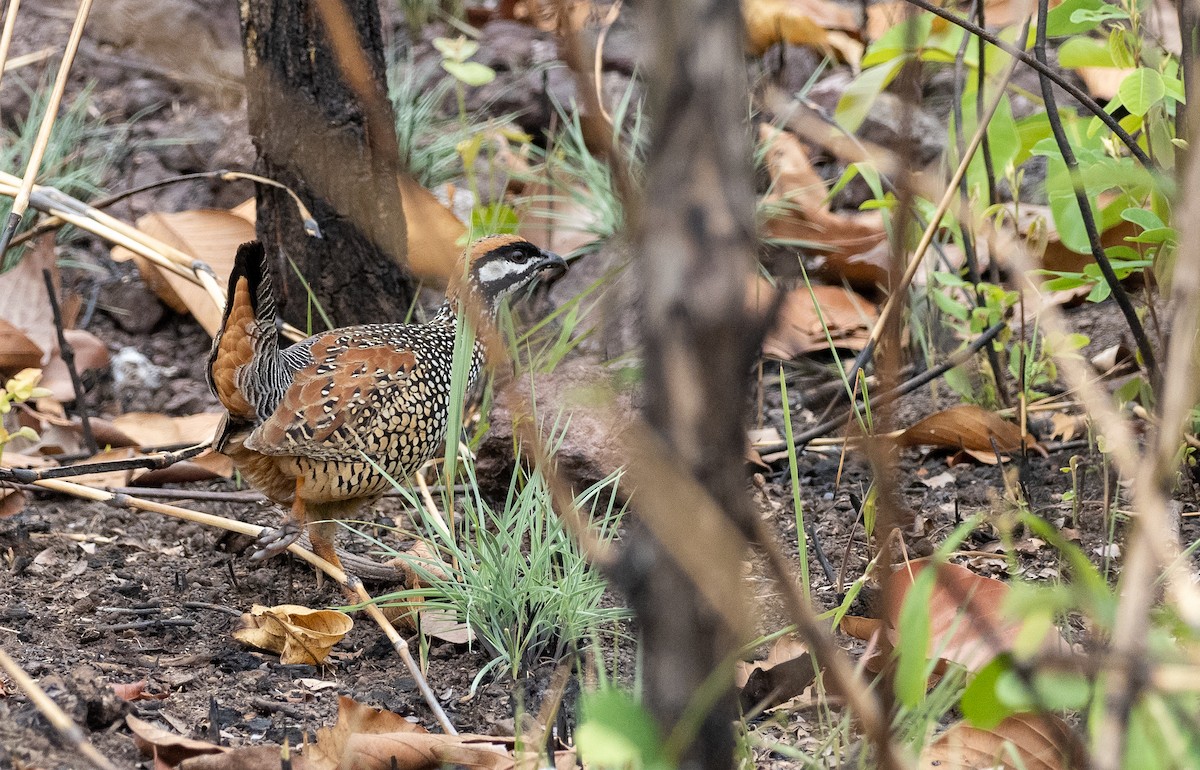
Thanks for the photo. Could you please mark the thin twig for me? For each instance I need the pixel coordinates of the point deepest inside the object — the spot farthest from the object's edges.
(908, 386)
(67, 352)
(964, 195)
(1085, 208)
(70, 732)
(21, 202)
(1088, 102)
(152, 462)
(225, 175)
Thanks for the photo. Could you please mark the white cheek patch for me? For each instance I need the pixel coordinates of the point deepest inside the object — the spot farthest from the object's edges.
(496, 270)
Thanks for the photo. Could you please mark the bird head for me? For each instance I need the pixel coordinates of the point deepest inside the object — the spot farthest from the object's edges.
(500, 266)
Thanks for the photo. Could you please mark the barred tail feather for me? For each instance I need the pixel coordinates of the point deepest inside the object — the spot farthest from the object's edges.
(247, 335)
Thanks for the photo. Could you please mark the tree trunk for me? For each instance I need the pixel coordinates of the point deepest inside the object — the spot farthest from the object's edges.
(696, 244)
(312, 134)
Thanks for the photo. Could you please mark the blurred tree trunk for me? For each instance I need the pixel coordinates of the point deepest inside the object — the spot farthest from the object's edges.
(696, 246)
(312, 134)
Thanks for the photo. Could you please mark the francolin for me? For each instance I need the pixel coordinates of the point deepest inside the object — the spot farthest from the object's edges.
(313, 425)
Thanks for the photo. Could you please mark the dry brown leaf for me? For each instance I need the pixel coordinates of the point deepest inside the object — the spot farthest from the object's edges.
(799, 22)
(798, 329)
(247, 758)
(166, 746)
(17, 350)
(298, 634)
(12, 501)
(209, 465)
(423, 751)
(967, 624)
(1026, 741)
(804, 214)
(967, 427)
(155, 429)
(23, 301)
(211, 236)
(90, 353)
(1035, 226)
(865, 271)
(438, 623)
(785, 673)
(860, 627)
(1066, 426)
(354, 719)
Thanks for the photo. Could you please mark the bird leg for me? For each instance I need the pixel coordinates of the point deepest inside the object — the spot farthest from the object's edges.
(273, 542)
(320, 534)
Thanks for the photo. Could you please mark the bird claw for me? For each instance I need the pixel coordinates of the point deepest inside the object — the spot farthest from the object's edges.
(273, 542)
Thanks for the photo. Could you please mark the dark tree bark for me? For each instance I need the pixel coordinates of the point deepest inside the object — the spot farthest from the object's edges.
(696, 240)
(312, 134)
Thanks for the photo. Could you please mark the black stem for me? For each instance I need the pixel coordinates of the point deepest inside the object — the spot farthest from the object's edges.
(68, 356)
(905, 387)
(1044, 70)
(153, 462)
(968, 237)
(1085, 207)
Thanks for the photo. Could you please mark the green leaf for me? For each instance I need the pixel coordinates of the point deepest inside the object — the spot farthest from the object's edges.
(617, 731)
(1141, 90)
(1085, 52)
(494, 218)
(911, 668)
(457, 49)
(1144, 218)
(471, 73)
(1060, 24)
(979, 703)
(1052, 690)
(1098, 15)
(857, 100)
(894, 43)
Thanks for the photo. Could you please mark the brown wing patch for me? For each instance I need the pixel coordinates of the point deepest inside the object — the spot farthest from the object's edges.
(335, 391)
(235, 349)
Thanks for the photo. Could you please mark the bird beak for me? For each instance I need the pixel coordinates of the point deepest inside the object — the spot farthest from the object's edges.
(551, 266)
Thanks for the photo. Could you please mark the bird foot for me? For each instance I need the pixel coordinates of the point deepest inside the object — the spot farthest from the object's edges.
(273, 542)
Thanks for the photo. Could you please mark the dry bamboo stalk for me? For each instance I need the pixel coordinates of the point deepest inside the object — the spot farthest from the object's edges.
(71, 732)
(92, 220)
(10, 22)
(21, 203)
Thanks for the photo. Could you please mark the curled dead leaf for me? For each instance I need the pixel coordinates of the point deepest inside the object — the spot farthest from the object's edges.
(17, 350)
(1033, 742)
(12, 502)
(298, 634)
(154, 429)
(211, 236)
(801, 324)
(967, 622)
(420, 564)
(968, 427)
(799, 22)
(165, 746)
(802, 214)
(785, 673)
